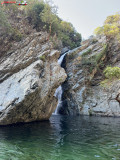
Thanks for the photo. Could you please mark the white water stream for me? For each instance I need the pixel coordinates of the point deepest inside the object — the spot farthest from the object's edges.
(58, 92)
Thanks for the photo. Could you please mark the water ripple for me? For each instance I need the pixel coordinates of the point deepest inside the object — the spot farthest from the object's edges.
(62, 138)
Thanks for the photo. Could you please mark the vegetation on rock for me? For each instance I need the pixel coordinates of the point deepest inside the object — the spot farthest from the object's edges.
(111, 30)
(111, 27)
(42, 58)
(112, 72)
(86, 53)
(4, 23)
(44, 17)
(94, 61)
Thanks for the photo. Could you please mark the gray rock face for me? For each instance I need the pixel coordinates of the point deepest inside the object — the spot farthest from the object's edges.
(102, 101)
(29, 76)
(82, 92)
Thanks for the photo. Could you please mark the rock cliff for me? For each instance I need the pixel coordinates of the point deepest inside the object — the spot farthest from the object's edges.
(82, 91)
(29, 76)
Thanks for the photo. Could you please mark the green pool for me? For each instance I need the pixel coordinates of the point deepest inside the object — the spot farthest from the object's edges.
(62, 138)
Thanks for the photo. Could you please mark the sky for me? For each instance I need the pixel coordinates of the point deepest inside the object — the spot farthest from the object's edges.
(86, 15)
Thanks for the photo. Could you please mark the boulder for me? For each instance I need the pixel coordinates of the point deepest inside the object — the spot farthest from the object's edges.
(29, 76)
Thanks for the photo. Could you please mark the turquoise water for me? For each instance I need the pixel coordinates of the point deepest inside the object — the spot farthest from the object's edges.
(62, 138)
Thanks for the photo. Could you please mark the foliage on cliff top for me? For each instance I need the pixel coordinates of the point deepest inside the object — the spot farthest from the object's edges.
(43, 16)
(4, 23)
(111, 27)
(9, 22)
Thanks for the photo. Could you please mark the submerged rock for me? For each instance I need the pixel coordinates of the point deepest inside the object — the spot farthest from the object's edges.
(29, 76)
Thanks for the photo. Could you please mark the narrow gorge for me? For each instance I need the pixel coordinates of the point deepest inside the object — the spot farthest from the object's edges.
(85, 92)
(59, 91)
(47, 69)
(59, 82)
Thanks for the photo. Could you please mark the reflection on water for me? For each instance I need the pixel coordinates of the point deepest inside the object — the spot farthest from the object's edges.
(62, 138)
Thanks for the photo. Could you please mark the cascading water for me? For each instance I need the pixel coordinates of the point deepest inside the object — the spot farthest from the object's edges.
(58, 93)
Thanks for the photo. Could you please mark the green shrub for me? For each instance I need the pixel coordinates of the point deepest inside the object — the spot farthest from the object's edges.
(16, 35)
(90, 63)
(86, 53)
(99, 56)
(106, 83)
(42, 58)
(13, 9)
(4, 23)
(57, 43)
(94, 61)
(112, 72)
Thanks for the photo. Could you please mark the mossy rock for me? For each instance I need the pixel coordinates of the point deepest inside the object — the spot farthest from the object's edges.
(42, 58)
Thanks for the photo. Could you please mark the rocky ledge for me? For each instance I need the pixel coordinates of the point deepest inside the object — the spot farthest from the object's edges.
(29, 76)
(82, 91)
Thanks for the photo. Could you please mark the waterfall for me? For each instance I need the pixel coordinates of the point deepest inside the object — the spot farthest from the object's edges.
(58, 92)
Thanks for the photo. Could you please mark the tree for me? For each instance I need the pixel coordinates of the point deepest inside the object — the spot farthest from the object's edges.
(99, 31)
(112, 19)
(111, 30)
(66, 26)
(5, 26)
(111, 27)
(48, 16)
(33, 12)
